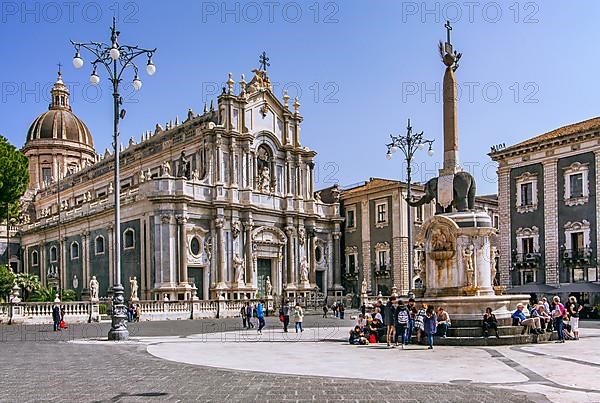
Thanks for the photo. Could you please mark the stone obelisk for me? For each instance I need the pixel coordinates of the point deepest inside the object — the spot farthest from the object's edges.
(450, 58)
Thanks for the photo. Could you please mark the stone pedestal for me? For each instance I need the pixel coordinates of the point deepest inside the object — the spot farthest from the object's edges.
(458, 266)
(94, 312)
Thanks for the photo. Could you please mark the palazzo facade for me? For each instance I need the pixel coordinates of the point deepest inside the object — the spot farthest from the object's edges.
(220, 204)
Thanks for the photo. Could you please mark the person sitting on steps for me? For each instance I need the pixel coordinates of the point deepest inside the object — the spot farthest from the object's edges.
(519, 319)
(489, 322)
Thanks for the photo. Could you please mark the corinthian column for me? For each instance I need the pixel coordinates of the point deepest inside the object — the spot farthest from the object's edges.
(250, 280)
(291, 262)
(182, 250)
(221, 263)
(337, 268)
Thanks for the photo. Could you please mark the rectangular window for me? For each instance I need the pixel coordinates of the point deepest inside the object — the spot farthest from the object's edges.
(382, 259)
(279, 184)
(576, 185)
(496, 221)
(528, 277)
(381, 213)
(225, 168)
(351, 263)
(47, 175)
(350, 223)
(577, 242)
(527, 244)
(419, 214)
(526, 194)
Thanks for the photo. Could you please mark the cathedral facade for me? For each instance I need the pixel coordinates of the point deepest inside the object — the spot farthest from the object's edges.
(220, 204)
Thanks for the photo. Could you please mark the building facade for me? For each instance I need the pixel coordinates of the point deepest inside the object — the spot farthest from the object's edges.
(375, 241)
(549, 237)
(221, 203)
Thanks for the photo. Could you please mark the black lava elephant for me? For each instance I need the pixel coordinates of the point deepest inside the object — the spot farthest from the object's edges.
(464, 193)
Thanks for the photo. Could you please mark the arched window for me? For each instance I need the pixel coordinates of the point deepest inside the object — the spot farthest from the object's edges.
(74, 250)
(99, 245)
(53, 254)
(129, 239)
(34, 258)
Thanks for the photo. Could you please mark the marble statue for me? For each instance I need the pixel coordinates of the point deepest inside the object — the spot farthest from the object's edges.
(183, 166)
(493, 270)
(318, 197)
(238, 265)
(265, 180)
(94, 287)
(111, 188)
(236, 228)
(133, 285)
(440, 240)
(363, 287)
(268, 286)
(468, 264)
(304, 271)
(75, 282)
(301, 235)
(166, 166)
(142, 176)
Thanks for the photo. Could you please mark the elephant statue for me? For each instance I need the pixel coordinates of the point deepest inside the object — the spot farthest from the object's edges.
(463, 198)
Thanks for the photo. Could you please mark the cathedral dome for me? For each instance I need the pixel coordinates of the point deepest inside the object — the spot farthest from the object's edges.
(59, 122)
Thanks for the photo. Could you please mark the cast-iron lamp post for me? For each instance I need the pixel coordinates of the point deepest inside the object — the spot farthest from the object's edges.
(409, 144)
(116, 58)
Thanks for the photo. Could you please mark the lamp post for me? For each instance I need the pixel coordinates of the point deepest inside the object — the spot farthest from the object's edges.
(408, 145)
(116, 58)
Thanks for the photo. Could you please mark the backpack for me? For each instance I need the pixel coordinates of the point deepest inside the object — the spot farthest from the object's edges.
(402, 317)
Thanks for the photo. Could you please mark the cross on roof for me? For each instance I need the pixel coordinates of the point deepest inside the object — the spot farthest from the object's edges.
(449, 30)
(59, 68)
(263, 61)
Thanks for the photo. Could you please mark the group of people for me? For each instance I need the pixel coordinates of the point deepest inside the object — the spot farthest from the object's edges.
(134, 311)
(395, 322)
(545, 317)
(337, 308)
(295, 311)
(253, 316)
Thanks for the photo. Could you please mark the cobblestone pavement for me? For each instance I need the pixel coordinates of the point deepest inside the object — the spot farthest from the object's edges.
(42, 368)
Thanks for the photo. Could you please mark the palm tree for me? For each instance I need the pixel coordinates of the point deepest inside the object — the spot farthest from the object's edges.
(28, 283)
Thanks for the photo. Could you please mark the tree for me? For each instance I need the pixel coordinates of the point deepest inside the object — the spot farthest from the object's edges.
(28, 283)
(7, 281)
(14, 175)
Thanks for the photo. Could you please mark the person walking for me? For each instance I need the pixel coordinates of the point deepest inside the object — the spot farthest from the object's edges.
(244, 316)
(573, 309)
(138, 313)
(558, 313)
(402, 319)
(363, 310)
(286, 311)
(56, 317)
(325, 310)
(389, 320)
(341, 310)
(430, 326)
(298, 317)
(260, 315)
(249, 312)
(419, 322)
(489, 322)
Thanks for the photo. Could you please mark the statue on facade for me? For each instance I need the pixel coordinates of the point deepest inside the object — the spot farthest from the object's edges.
(301, 235)
(493, 270)
(94, 287)
(208, 248)
(268, 286)
(142, 176)
(304, 271)
(318, 197)
(363, 287)
(236, 228)
(111, 188)
(133, 285)
(264, 183)
(336, 193)
(166, 168)
(468, 264)
(75, 282)
(183, 166)
(238, 265)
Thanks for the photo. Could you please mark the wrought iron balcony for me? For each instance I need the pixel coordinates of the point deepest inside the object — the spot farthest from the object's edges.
(529, 259)
(382, 271)
(580, 256)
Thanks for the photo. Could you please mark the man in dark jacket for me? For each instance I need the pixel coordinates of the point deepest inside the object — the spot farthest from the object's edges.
(286, 310)
(389, 319)
(56, 317)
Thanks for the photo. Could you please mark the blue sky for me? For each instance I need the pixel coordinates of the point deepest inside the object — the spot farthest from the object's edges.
(362, 67)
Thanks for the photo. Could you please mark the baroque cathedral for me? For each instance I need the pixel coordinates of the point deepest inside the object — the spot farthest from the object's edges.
(221, 204)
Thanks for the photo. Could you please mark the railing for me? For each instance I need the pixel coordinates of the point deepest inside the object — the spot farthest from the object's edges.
(577, 256)
(528, 258)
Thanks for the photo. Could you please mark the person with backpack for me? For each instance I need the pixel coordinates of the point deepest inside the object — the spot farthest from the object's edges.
(419, 322)
(430, 326)
(389, 320)
(402, 319)
(558, 314)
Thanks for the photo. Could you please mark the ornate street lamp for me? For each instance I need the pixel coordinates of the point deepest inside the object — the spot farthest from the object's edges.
(116, 58)
(409, 144)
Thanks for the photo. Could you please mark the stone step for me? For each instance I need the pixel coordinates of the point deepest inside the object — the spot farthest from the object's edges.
(493, 341)
(477, 322)
(478, 331)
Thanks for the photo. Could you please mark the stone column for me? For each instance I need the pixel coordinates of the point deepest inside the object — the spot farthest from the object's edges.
(183, 257)
(85, 255)
(42, 263)
(550, 194)
(312, 257)
(221, 262)
(250, 274)
(63, 264)
(291, 263)
(597, 182)
(365, 235)
(450, 122)
(504, 231)
(482, 252)
(337, 267)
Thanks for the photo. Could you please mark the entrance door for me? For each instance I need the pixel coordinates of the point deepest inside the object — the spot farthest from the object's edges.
(320, 280)
(263, 270)
(196, 275)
